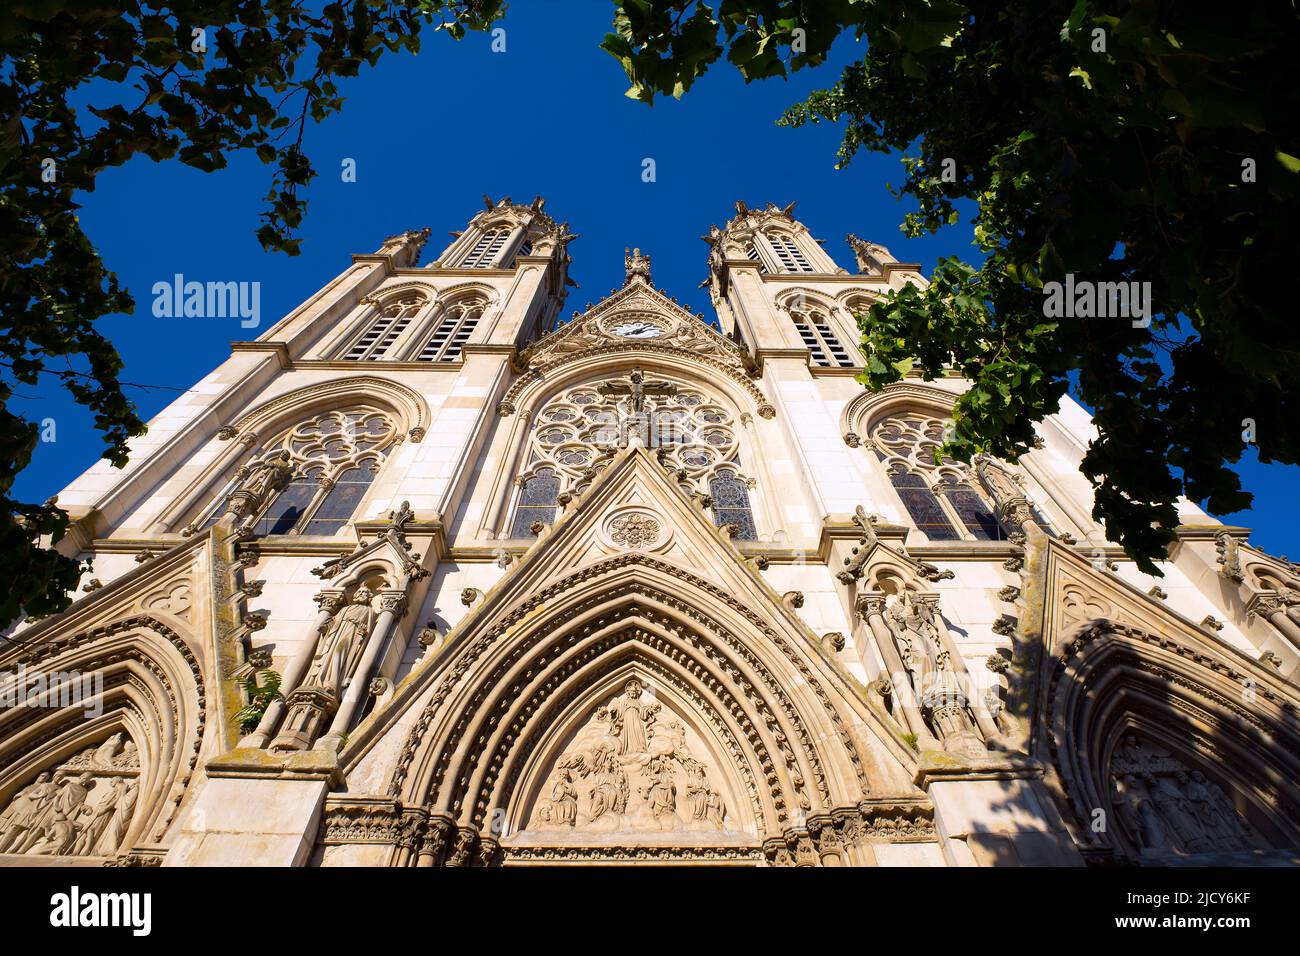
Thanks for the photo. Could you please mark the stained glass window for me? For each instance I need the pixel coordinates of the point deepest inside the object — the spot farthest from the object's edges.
(973, 512)
(908, 444)
(537, 502)
(341, 501)
(288, 508)
(731, 505)
(690, 432)
(335, 456)
(923, 506)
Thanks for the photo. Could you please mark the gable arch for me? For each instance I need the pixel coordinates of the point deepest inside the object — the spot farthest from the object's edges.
(619, 357)
(149, 691)
(472, 756)
(1227, 719)
(386, 294)
(283, 410)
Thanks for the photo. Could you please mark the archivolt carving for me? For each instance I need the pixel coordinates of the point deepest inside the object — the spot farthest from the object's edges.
(867, 406)
(146, 722)
(1229, 720)
(537, 374)
(692, 637)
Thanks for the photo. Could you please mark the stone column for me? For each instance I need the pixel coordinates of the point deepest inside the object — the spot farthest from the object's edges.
(392, 605)
(983, 719)
(1274, 610)
(872, 608)
(328, 601)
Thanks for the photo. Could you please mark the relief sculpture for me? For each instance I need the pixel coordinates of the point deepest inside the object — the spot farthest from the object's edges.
(1165, 808)
(82, 807)
(630, 768)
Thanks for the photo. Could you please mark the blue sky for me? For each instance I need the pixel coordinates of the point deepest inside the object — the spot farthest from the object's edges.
(430, 135)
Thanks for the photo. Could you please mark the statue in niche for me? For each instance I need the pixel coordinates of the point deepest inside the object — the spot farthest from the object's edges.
(938, 688)
(82, 807)
(342, 639)
(916, 641)
(261, 482)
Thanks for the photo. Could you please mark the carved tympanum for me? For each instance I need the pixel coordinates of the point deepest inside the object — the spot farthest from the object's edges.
(82, 807)
(630, 768)
(1165, 807)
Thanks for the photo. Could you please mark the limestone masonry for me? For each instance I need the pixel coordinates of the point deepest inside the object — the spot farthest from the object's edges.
(428, 575)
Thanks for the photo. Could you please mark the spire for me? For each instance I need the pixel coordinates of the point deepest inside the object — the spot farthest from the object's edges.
(636, 265)
(871, 256)
(405, 247)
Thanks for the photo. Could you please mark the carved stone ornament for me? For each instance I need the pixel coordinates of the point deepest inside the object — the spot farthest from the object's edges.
(634, 766)
(1164, 807)
(82, 807)
(634, 529)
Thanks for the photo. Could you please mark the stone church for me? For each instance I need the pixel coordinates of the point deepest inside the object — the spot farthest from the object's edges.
(430, 575)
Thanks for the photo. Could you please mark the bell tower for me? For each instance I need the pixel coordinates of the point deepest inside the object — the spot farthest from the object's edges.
(523, 252)
(779, 292)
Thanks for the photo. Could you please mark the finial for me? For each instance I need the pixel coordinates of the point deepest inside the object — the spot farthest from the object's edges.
(636, 265)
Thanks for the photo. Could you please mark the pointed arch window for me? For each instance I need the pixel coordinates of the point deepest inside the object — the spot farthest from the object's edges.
(486, 249)
(825, 349)
(972, 511)
(789, 254)
(537, 502)
(731, 504)
(385, 328)
(938, 496)
(453, 331)
(752, 254)
(693, 433)
(335, 457)
(922, 505)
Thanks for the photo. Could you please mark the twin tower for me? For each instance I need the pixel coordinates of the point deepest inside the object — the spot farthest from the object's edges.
(427, 575)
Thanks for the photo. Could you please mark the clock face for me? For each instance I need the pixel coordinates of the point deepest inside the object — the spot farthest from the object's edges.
(637, 330)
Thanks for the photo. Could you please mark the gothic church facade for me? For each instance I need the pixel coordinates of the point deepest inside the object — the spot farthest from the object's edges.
(427, 576)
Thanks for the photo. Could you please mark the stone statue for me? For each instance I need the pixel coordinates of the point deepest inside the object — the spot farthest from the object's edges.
(263, 480)
(125, 810)
(661, 793)
(23, 811)
(100, 817)
(635, 264)
(623, 770)
(629, 716)
(342, 639)
(564, 800)
(1177, 810)
(916, 641)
